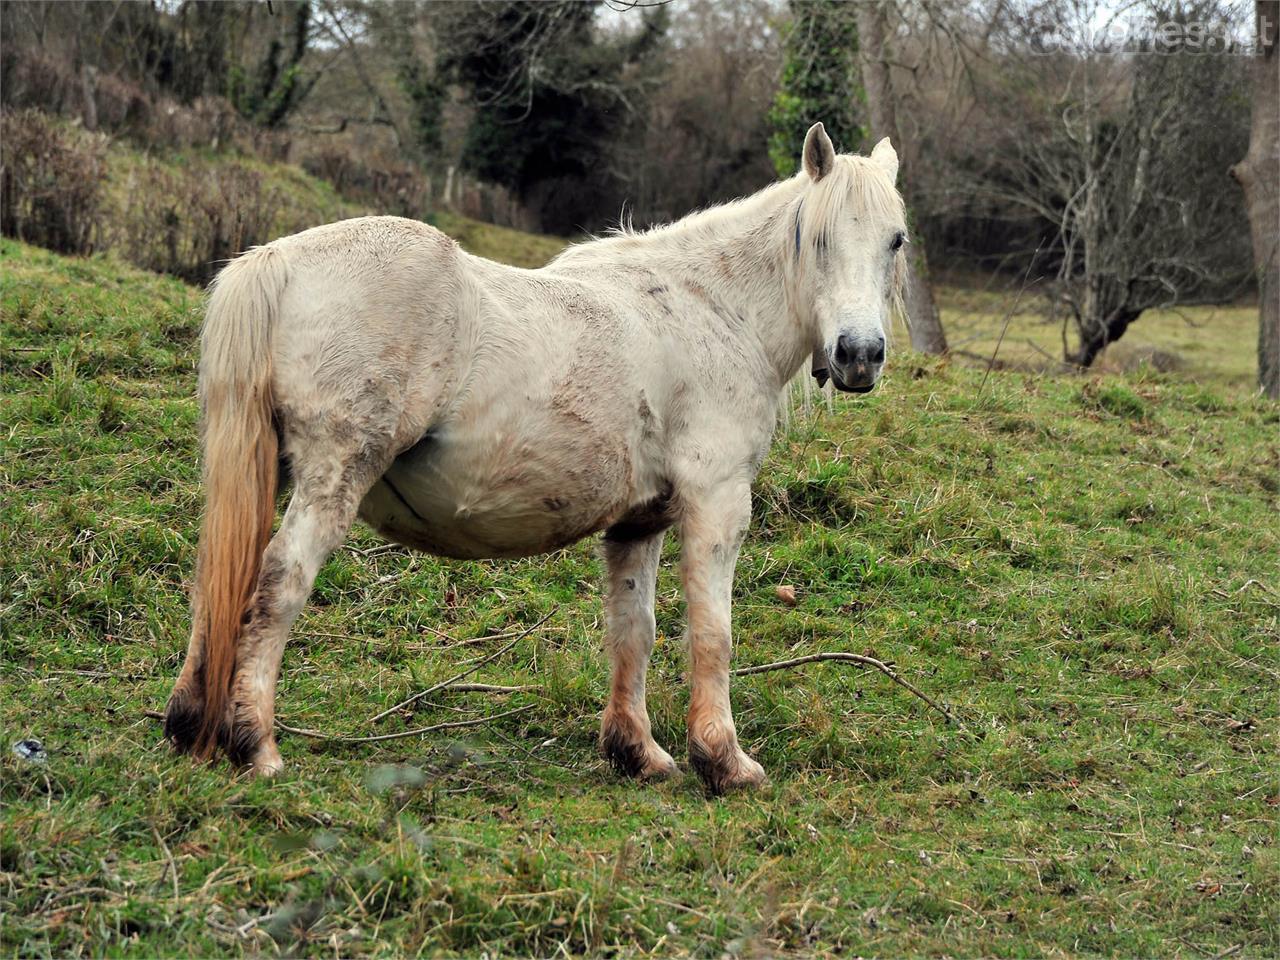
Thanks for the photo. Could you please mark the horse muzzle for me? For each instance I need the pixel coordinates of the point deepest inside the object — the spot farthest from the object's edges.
(853, 366)
(858, 378)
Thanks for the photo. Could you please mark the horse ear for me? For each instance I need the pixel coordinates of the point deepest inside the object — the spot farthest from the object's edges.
(818, 156)
(887, 157)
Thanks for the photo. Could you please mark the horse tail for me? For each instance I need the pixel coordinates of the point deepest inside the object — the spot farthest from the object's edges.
(241, 471)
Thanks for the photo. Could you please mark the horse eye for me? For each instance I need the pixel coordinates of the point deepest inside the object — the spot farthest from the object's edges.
(898, 240)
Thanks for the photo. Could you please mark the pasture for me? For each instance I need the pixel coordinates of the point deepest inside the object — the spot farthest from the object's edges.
(1083, 568)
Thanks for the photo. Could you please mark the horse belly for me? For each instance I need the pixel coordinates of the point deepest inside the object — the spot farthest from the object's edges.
(506, 499)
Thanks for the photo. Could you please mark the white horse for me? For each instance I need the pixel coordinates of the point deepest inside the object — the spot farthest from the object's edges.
(471, 410)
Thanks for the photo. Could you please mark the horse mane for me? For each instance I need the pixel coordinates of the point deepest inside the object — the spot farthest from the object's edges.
(856, 186)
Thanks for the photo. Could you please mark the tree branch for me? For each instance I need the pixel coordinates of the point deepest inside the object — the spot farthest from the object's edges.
(465, 673)
(841, 657)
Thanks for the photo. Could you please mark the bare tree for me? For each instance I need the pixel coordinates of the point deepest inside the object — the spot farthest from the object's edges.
(922, 311)
(697, 139)
(345, 25)
(1259, 174)
(1109, 150)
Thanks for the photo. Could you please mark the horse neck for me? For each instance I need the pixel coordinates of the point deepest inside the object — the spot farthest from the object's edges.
(745, 263)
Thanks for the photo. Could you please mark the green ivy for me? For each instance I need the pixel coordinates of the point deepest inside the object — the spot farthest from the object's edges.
(820, 81)
(277, 83)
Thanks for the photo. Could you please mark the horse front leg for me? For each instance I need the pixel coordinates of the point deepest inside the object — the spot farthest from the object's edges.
(712, 528)
(626, 736)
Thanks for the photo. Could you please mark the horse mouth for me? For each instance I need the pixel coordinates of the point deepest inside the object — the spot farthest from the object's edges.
(859, 387)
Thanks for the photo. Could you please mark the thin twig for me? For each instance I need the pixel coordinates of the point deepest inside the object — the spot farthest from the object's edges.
(465, 673)
(450, 725)
(491, 688)
(880, 665)
(172, 866)
(1007, 317)
(470, 641)
(1254, 583)
(1043, 352)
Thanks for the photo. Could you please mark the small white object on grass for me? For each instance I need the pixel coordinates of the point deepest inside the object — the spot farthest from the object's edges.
(30, 750)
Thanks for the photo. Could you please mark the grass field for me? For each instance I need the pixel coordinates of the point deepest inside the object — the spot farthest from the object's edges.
(1215, 345)
(1084, 569)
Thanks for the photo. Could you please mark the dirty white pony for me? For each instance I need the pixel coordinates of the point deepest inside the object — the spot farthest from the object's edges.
(472, 410)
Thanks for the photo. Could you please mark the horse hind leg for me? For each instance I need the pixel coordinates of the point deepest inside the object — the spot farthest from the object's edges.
(317, 520)
(626, 737)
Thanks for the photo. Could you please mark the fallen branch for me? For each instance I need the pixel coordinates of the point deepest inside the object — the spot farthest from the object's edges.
(465, 673)
(449, 725)
(858, 658)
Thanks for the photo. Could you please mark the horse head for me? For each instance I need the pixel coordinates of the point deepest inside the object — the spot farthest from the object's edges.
(850, 234)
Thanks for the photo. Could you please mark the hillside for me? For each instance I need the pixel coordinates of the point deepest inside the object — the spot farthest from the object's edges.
(1084, 569)
(290, 199)
(182, 211)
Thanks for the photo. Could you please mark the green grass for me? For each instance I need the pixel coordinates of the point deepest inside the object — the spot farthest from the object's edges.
(1084, 569)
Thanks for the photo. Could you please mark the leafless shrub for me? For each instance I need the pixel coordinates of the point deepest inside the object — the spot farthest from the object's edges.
(206, 122)
(122, 106)
(187, 221)
(490, 202)
(36, 79)
(51, 182)
(389, 188)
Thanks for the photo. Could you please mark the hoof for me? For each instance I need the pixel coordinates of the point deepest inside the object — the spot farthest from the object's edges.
(725, 770)
(658, 765)
(267, 761)
(243, 741)
(183, 718)
(632, 756)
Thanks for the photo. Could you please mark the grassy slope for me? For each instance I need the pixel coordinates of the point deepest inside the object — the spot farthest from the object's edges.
(1086, 570)
(498, 243)
(305, 201)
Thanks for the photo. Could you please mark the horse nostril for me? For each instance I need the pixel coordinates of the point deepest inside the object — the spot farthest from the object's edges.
(851, 349)
(845, 349)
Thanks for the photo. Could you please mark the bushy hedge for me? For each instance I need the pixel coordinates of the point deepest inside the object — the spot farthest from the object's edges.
(58, 189)
(51, 182)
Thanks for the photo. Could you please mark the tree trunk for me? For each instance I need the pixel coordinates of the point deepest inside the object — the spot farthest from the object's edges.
(89, 97)
(1259, 174)
(1095, 337)
(922, 311)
